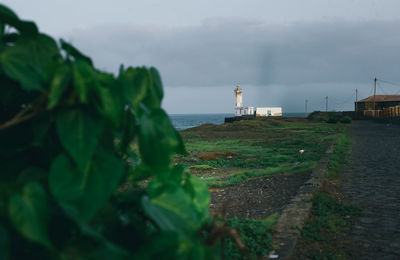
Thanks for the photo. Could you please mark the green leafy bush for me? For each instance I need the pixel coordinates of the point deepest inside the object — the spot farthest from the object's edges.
(328, 215)
(315, 115)
(332, 119)
(346, 120)
(254, 234)
(65, 134)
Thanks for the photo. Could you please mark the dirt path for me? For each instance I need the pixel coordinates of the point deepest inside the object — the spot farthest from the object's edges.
(372, 182)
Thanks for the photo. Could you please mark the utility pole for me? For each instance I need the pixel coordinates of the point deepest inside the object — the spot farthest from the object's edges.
(356, 95)
(326, 103)
(374, 95)
(356, 99)
(306, 105)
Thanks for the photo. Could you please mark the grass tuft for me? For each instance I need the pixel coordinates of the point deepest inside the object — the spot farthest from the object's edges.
(255, 234)
(201, 167)
(328, 215)
(337, 159)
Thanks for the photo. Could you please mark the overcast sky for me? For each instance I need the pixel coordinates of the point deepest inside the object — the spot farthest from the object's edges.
(280, 52)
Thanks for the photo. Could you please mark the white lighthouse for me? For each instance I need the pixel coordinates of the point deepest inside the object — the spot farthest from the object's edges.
(239, 109)
(238, 93)
(242, 112)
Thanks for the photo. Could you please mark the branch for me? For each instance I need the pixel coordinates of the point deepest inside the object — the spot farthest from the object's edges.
(35, 109)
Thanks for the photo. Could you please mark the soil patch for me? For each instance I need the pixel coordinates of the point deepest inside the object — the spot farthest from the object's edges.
(215, 155)
(215, 172)
(257, 198)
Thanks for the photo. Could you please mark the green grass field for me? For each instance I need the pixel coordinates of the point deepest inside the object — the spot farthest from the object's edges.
(228, 154)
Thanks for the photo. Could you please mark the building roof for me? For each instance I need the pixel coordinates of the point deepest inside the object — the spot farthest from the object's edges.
(381, 98)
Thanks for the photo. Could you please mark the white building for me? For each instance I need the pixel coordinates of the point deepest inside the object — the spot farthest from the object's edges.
(260, 111)
(269, 111)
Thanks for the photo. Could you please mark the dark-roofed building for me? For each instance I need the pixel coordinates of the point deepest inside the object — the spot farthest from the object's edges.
(381, 102)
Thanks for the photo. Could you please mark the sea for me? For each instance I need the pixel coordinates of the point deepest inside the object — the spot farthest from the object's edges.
(185, 121)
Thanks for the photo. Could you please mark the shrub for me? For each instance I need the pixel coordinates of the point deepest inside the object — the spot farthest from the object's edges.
(332, 119)
(254, 234)
(346, 120)
(65, 134)
(314, 115)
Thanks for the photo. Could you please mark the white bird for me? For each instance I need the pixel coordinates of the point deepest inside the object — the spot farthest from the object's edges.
(301, 151)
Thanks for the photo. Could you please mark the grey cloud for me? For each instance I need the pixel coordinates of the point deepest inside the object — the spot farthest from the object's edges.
(280, 65)
(225, 51)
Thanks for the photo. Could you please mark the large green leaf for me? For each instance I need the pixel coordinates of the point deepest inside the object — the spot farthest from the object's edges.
(173, 210)
(87, 192)
(79, 132)
(154, 93)
(110, 98)
(200, 195)
(29, 61)
(59, 83)
(134, 83)
(7, 16)
(158, 139)
(142, 85)
(84, 79)
(128, 130)
(74, 52)
(29, 213)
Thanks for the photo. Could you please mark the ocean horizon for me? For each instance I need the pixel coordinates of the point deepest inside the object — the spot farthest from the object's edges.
(185, 121)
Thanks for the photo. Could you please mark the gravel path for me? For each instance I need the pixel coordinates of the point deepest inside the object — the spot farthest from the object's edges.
(372, 182)
(257, 198)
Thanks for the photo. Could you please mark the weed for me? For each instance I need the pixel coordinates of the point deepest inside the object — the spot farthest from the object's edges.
(327, 216)
(201, 167)
(337, 158)
(254, 234)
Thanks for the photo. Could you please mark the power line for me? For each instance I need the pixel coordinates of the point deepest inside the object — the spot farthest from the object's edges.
(391, 83)
(371, 91)
(342, 101)
(379, 85)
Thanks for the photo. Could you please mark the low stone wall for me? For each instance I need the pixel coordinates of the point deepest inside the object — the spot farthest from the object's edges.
(286, 230)
(238, 118)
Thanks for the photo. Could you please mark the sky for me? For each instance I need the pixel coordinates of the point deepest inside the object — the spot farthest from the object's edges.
(281, 53)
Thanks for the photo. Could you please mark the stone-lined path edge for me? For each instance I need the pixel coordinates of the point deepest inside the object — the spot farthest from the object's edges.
(286, 230)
